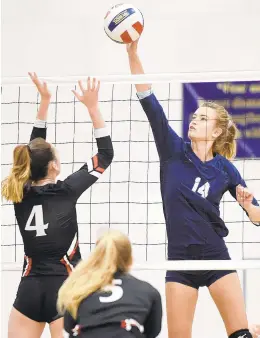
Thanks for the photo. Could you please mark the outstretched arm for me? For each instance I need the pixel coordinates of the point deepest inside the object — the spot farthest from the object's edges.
(168, 143)
(40, 126)
(136, 66)
(239, 190)
(246, 199)
(88, 174)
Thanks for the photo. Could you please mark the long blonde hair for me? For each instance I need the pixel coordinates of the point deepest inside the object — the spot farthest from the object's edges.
(112, 253)
(225, 143)
(30, 163)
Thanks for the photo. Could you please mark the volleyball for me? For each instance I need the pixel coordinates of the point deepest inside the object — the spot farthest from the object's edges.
(124, 23)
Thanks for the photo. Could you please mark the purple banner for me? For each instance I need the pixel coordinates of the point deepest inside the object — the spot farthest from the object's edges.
(242, 101)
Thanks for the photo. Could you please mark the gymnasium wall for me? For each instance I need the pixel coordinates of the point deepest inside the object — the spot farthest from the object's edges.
(65, 38)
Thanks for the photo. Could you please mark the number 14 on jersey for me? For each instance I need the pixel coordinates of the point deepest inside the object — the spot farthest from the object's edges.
(203, 190)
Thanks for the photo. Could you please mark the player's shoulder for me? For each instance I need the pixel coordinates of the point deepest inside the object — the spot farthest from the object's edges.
(33, 193)
(50, 189)
(141, 285)
(228, 165)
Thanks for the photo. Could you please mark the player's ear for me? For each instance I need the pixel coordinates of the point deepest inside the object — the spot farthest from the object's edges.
(130, 262)
(217, 132)
(53, 165)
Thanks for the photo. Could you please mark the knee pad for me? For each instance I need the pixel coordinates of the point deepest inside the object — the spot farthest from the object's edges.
(244, 333)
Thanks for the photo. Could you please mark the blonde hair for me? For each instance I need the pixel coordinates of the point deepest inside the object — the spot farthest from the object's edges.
(112, 253)
(225, 144)
(30, 163)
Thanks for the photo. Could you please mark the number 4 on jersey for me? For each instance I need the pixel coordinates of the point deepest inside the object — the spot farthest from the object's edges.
(39, 226)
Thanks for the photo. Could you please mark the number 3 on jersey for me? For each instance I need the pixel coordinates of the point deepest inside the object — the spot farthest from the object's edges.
(39, 226)
(203, 190)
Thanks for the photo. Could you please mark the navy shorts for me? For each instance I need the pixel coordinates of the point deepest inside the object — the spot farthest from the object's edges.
(36, 297)
(204, 278)
(198, 279)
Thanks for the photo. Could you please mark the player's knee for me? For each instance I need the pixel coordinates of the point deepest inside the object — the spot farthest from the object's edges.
(244, 333)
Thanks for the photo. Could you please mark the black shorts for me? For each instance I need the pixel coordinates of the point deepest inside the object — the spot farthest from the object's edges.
(36, 297)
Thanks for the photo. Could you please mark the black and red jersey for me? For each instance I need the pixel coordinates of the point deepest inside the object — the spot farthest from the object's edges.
(47, 216)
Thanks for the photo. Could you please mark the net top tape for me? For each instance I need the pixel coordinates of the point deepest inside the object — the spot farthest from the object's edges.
(245, 75)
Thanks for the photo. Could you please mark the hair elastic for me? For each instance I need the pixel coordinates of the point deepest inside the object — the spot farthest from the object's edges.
(230, 123)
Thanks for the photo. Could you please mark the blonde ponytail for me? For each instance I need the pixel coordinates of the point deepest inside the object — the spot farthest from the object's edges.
(113, 253)
(30, 162)
(13, 185)
(225, 144)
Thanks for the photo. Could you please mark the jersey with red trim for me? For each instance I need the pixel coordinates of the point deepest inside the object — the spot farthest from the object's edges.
(107, 313)
(47, 216)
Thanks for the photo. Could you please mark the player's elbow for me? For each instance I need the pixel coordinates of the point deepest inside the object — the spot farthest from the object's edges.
(109, 154)
(158, 329)
(106, 157)
(254, 215)
(105, 150)
(255, 222)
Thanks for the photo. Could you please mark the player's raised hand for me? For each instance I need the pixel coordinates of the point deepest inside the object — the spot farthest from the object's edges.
(131, 48)
(244, 196)
(41, 86)
(89, 96)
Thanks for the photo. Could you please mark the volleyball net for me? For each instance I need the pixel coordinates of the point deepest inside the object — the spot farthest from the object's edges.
(127, 196)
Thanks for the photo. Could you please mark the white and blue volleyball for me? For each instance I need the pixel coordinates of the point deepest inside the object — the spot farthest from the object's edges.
(124, 23)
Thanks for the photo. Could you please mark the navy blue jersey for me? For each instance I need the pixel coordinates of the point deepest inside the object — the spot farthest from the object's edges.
(47, 216)
(191, 189)
(102, 313)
